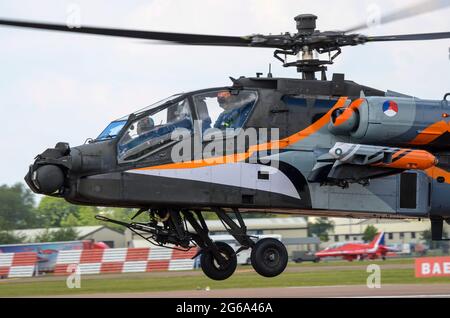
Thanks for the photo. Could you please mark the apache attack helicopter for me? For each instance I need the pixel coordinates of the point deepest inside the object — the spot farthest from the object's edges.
(335, 148)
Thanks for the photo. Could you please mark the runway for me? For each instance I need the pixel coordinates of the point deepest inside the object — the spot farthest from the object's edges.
(355, 291)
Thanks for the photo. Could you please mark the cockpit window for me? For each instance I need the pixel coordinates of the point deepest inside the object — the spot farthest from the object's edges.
(112, 130)
(152, 106)
(223, 109)
(150, 132)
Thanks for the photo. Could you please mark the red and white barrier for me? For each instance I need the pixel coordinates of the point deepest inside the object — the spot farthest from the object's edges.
(17, 264)
(124, 260)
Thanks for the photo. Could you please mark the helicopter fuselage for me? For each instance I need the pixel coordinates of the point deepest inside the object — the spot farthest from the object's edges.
(297, 173)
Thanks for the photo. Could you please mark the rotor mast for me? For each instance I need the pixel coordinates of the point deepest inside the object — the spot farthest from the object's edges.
(307, 65)
(304, 44)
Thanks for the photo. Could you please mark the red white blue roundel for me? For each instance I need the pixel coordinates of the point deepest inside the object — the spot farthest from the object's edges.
(390, 108)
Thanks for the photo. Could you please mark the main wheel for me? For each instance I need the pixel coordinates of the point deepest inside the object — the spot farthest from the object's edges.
(269, 257)
(211, 267)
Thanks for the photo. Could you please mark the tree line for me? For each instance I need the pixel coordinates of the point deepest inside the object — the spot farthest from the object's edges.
(20, 209)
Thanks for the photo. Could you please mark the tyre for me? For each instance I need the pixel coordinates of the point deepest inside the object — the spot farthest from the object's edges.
(212, 269)
(269, 257)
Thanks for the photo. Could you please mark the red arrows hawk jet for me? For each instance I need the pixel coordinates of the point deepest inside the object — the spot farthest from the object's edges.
(351, 251)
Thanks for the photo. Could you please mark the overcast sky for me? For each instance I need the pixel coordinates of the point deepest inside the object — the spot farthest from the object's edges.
(63, 87)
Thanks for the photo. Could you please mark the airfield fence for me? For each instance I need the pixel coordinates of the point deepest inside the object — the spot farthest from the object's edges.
(124, 260)
(18, 264)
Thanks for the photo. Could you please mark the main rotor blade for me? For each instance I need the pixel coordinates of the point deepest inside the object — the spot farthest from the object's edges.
(409, 37)
(180, 38)
(408, 12)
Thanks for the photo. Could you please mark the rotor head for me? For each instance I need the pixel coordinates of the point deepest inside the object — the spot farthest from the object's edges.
(306, 23)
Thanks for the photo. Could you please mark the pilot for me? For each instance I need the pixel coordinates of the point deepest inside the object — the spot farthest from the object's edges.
(144, 125)
(236, 110)
(181, 119)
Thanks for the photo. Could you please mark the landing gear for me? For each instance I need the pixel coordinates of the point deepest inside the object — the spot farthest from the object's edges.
(217, 259)
(213, 269)
(269, 257)
(437, 224)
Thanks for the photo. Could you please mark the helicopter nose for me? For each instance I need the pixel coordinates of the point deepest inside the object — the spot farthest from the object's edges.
(48, 179)
(46, 175)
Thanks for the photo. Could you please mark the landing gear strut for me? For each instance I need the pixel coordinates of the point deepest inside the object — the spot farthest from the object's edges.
(437, 225)
(217, 259)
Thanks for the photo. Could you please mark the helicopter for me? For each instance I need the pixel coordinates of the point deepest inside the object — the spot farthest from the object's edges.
(263, 144)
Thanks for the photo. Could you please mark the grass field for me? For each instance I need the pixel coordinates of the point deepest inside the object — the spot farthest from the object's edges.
(355, 263)
(244, 278)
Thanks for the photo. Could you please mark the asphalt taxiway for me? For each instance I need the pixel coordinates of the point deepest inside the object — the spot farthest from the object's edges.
(358, 291)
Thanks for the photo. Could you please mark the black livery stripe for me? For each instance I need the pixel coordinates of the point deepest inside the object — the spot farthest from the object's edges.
(402, 155)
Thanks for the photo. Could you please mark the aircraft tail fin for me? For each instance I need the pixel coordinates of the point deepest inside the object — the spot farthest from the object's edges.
(377, 240)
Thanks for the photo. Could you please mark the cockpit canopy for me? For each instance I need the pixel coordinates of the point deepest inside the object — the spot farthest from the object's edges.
(154, 130)
(151, 128)
(114, 128)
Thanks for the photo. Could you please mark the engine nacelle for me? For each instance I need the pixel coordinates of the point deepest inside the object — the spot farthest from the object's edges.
(389, 120)
(345, 120)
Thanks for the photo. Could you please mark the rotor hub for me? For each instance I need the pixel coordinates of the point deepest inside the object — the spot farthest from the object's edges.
(306, 23)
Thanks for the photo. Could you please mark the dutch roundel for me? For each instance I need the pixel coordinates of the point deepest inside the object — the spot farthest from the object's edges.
(390, 108)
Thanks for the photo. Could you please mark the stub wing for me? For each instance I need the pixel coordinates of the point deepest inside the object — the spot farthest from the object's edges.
(349, 163)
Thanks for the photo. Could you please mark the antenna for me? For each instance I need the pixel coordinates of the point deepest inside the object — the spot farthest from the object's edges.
(269, 75)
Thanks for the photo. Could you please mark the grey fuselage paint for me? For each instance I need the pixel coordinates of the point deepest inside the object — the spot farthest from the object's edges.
(94, 176)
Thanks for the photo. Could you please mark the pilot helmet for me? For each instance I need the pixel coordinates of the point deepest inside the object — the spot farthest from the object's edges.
(225, 98)
(145, 124)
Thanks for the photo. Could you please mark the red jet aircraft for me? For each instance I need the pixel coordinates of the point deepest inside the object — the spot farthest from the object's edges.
(351, 251)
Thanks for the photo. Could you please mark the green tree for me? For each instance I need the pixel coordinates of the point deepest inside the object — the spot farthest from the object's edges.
(320, 228)
(70, 221)
(85, 215)
(369, 233)
(8, 237)
(56, 212)
(426, 236)
(16, 207)
(43, 236)
(51, 212)
(65, 234)
(60, 235)
(121, 214)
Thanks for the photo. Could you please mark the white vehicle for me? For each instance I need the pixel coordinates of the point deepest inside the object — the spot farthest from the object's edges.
(243, 257)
